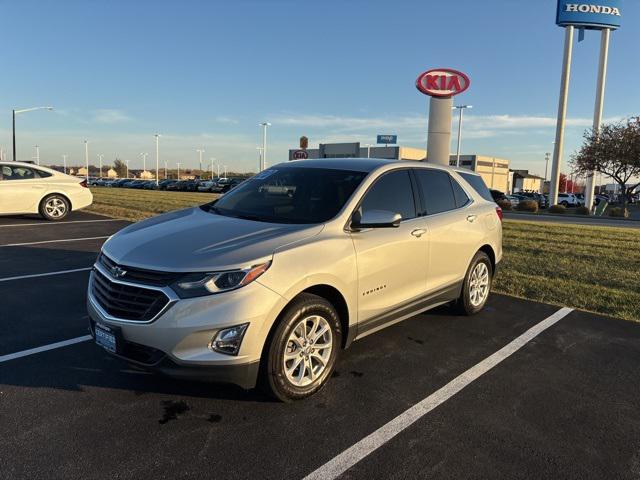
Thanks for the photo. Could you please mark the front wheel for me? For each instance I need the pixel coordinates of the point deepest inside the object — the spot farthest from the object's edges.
(303, 349)
(54, 207)
(476, 286)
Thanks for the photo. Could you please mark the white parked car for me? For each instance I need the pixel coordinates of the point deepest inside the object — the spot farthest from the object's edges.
(568, 200)
(27, 188)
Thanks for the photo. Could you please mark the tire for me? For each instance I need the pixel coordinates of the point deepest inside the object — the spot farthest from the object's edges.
(54, 207)
(565, 204)
(466, 305)
(284, 378)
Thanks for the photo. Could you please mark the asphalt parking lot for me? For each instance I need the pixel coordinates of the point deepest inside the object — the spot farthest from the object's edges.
(425, 398)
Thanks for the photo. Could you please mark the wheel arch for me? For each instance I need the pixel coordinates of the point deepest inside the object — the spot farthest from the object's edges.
(488, 249)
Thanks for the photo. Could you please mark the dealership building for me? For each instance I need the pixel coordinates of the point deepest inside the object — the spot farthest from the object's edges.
(494, 171)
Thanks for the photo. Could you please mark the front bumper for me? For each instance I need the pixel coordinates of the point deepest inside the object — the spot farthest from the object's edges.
(177, 342)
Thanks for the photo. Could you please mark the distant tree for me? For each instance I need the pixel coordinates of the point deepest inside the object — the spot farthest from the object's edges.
(614, 151)
(120, 167)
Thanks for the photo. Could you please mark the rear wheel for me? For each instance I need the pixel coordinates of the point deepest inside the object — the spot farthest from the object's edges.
(54, 207)
(477, 285)
(303, 349)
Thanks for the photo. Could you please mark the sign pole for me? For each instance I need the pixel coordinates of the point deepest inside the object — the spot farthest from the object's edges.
(597, 113)
(439, 138)
(562, 114)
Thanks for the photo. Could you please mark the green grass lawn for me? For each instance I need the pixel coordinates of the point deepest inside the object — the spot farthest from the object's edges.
(591, 268)
(138, 204)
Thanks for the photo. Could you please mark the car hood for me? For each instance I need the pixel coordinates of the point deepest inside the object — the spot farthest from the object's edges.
(194, 240)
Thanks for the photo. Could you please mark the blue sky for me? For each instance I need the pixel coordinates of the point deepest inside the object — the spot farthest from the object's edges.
(205, 73)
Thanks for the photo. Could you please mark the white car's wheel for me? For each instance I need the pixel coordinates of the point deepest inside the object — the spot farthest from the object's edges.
(54, 207)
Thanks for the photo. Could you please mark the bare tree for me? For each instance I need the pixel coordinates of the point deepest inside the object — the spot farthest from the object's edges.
(120, 167)
(613, 151)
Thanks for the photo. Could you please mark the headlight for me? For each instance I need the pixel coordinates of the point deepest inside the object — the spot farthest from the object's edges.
(200, 284)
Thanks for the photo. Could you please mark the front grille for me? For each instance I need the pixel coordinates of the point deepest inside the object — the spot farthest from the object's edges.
(127, 302)
(140, 275)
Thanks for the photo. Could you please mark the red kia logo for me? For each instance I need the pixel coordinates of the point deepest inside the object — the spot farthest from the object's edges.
(442, 82)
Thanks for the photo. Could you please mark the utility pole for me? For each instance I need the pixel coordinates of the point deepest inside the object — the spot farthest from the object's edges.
(86, 158)
(200, 152)
(157, 158)
(264, 126)
(144, 161)
(460, 108)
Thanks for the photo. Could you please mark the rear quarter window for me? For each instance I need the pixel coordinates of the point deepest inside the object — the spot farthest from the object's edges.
(478, 185)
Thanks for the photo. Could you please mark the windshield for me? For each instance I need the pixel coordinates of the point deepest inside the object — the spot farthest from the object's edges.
(290, 195)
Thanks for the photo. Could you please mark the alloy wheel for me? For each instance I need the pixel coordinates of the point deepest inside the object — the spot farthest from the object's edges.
(55, 207)
(308, 350)
(479, 284)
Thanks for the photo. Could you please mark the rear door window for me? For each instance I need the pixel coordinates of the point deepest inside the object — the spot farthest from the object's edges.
(437, 190)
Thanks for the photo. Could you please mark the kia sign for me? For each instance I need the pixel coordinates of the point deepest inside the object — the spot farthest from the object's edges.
(300, 155)
(387, 139)
(596, 14)
(442, 82)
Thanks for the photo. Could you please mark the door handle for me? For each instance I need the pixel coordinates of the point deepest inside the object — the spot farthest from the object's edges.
(471, 218)
(418, 232)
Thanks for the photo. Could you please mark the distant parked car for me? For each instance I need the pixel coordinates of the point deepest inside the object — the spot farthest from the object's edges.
(137, 184)
(568, 200)
(225, 184)
(206, 186)
(541, 199)
(122, 182)
(150, 185)
(165, 183)
(515, 200)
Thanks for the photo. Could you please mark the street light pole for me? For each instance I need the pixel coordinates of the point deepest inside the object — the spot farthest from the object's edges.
(546, 166)
(64, 163)
(157, 159)
(178, 170)
(200, 152)
(86, 158)
(460, 108)
(127, 168)
(100, 156)
(13, 118)
(225, 171)
(259, 149)
(211, 162)
(144, 161)
(264, 144)
(165, 169)
(37, 147)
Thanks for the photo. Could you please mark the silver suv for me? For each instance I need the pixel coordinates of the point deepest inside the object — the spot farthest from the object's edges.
(267, 284)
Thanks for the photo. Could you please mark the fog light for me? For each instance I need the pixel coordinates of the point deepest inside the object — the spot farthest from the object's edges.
(228, 340)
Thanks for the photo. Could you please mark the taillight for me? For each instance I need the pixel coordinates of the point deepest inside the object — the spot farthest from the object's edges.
(499, 212)
(83, 183)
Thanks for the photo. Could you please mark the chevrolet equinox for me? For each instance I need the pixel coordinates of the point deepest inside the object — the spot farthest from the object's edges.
(268, 283)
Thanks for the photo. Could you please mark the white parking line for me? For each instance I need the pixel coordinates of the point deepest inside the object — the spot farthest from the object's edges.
(44, 348)
(61, 223)
(347, 459)
(54, 241)
(35, 275)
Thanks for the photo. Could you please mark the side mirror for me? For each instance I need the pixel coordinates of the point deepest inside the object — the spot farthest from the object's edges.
(375, 219)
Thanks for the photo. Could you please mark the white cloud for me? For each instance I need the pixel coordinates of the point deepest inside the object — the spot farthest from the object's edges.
(227, 120)
(110, 116)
